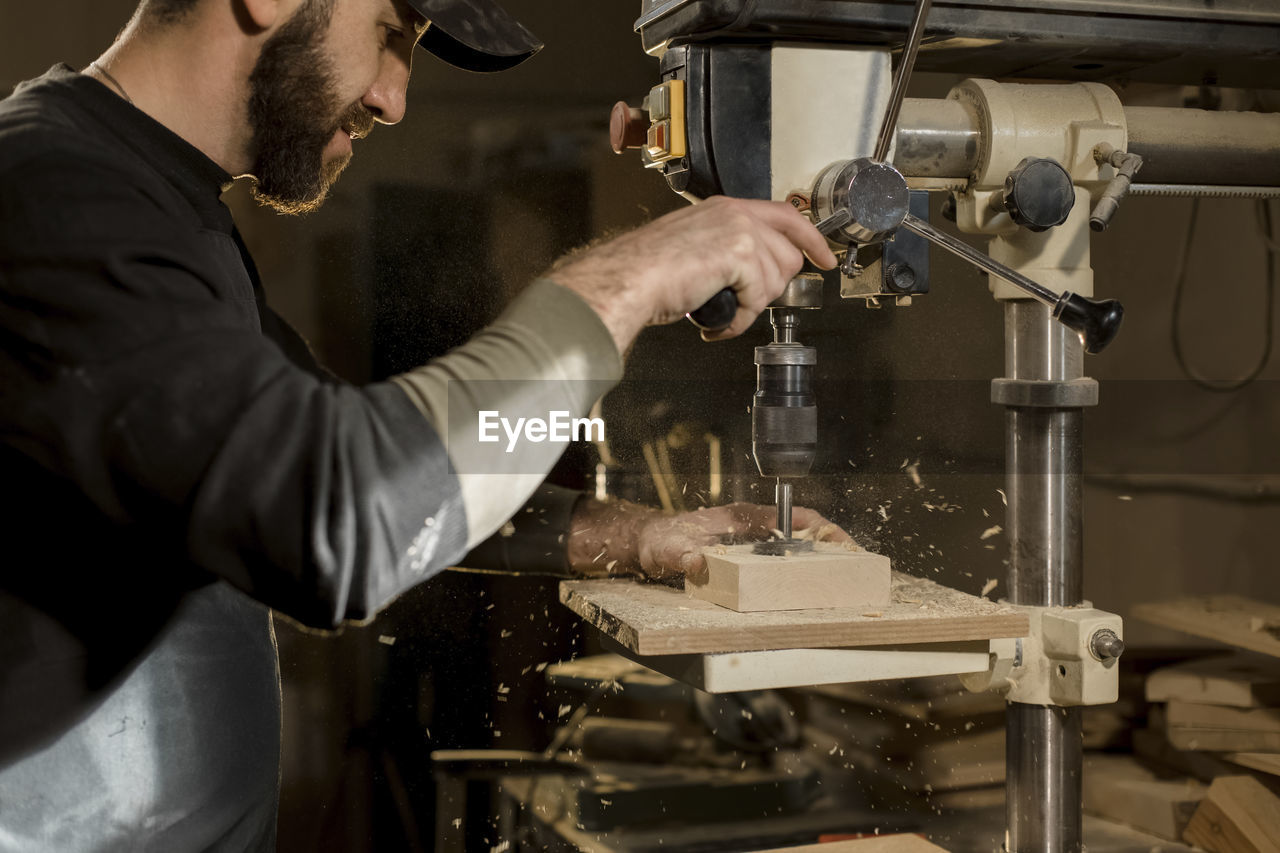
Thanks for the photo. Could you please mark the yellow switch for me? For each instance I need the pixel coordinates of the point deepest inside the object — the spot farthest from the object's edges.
(666, 137)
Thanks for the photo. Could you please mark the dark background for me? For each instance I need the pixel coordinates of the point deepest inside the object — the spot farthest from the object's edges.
(439, 221)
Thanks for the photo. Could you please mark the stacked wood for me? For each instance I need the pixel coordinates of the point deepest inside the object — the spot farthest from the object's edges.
(1121, 789)
(1228, 704)
(1218, 718)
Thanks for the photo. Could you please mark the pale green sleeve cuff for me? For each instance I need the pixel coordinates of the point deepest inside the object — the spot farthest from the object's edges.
(548, 352)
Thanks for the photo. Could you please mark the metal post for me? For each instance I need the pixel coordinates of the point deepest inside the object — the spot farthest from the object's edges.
(1043, 458)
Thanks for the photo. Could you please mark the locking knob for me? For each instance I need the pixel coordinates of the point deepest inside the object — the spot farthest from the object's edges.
(628, 127)
(1039, 194)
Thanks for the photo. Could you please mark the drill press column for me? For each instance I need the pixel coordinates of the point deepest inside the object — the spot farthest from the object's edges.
(1044, 744)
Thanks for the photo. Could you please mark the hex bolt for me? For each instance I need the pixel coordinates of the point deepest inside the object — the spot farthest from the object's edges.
(1106, 645)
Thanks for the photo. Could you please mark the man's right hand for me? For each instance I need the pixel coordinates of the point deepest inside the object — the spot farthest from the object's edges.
(661, 271)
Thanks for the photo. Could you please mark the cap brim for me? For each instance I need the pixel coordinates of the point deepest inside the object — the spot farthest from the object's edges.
(477, 35)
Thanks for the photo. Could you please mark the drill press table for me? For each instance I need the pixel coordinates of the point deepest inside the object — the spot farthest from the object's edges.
(926, 629)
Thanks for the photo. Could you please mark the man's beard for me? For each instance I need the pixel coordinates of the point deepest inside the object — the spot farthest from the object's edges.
(294, 111)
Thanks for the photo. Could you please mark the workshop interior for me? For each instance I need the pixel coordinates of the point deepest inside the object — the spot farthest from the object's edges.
(1039, 384)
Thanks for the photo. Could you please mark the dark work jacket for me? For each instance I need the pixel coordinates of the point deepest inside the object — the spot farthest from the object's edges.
(169, 450)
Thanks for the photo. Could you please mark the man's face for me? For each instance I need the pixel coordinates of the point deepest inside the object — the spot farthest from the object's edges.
(302, 125)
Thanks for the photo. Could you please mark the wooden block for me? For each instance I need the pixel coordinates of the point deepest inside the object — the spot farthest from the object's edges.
(1231, 619)
(650, 619)
(1222, 729)
(1120, 789)
(1238, 680)
(828, 576)
(1239, 815)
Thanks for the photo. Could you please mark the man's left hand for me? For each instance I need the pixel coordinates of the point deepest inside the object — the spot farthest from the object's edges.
(622, 538)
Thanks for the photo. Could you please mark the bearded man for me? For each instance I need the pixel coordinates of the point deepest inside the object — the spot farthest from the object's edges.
(173, 457)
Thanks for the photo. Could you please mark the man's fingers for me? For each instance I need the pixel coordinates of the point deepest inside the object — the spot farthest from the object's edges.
(796, 228)
(671, 547)
(823, 530)
(679, 556)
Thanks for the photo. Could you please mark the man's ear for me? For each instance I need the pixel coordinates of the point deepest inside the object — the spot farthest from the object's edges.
(262, 14)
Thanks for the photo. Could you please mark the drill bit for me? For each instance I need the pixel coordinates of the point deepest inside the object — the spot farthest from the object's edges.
(783, 494)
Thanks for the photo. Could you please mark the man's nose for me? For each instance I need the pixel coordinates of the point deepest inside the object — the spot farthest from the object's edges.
(386, 98)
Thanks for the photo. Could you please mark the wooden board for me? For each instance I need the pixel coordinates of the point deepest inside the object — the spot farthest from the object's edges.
(881, 844)
(656, 620)
(1152, 745)
(831, 575)
(1239, 680)
(1120, 789)
(1222, 729)
(1239, 815)
(1231, 619)
(1265, 762)
(961, 761)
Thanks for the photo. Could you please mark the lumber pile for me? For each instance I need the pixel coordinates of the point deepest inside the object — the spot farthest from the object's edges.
(1216, 720)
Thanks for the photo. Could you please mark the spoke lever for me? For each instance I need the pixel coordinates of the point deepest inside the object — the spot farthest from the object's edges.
(1095, 320)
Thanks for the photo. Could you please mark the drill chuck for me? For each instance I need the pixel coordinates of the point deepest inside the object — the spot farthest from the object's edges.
(784, 412)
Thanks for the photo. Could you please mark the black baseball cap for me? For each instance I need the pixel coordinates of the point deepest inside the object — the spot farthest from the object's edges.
(478, 35)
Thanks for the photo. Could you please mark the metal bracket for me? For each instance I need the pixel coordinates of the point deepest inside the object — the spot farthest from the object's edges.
(1060, 662)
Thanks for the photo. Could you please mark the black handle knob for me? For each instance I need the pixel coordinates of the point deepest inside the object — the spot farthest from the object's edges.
(1039, 194)
(717, 312)
(1097, 321)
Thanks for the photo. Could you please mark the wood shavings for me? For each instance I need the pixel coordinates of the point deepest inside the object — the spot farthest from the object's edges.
(994, 530)
(991, 584)
(386, 640)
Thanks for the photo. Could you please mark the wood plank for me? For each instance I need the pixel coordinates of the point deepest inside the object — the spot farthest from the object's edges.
(831, 575)
(879, 844)
(650, 619)
(1152, 745)
(1222, 729)
(962, 761)
(1120, 789)
(1266, 762)
(1231, 619)
(1239, 680)
(1239, 815)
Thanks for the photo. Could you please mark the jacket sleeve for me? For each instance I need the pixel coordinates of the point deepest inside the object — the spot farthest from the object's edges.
(129, 372)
